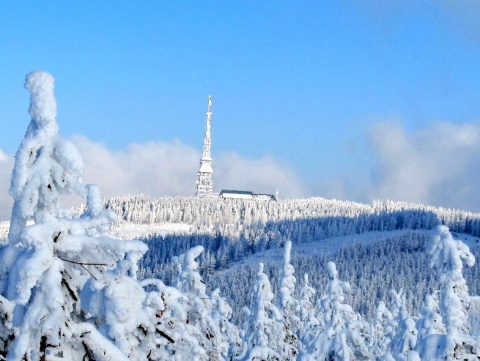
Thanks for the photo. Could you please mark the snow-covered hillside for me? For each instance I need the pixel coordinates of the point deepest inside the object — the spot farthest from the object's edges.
(314, 279)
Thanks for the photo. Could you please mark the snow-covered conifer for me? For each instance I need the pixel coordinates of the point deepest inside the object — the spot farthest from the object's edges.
(430, 321)
(343, 334)
(447, 257)
(46, 165)
(68, 290)
(456, 342)
(173, 338)
(405, 334)
(207, 314)
(308, 325)
(307, 308)
(263, 334)
(288, 304)
(229, 338)
(383, 332)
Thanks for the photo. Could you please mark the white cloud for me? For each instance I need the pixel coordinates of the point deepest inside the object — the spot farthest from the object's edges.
(264, 175)
(169, 168)
(439, 165)
(3, 156)
(164, 168)
(153, 168)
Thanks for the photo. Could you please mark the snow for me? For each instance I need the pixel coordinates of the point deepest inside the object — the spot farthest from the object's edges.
(4, 226)
(130, 230)
(325, 247)
(43, 107)
(69, 288)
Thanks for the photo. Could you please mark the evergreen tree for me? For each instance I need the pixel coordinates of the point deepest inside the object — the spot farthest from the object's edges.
(456, 343)
(208, 315)
(308, 322)
(343, 334)
(289, 305)
(263, 336)
(227, 331)
(430, 322)
(383, 332)
(405, 336)
(48, 265)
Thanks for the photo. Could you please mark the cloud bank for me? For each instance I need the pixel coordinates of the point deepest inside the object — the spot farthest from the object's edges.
(264, 175)
(439, 165)
(160, 169)
(169, 168)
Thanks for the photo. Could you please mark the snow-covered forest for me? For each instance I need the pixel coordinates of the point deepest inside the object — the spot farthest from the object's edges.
(384, 243)
(291, 280)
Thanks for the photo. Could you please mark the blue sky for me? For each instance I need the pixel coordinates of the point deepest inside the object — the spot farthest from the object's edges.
(308, 90)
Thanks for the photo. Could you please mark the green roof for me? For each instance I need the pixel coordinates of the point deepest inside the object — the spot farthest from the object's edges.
(236, 192)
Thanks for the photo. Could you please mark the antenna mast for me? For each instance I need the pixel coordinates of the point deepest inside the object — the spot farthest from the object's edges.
(204, 173)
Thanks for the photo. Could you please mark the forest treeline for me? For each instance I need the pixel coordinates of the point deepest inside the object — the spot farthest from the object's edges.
(70, 290)
(316, 217)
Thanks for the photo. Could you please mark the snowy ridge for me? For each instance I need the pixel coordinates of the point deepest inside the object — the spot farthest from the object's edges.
(387, 260)
(300, 220)
(204, 213)
(129, 230)
(71, 290)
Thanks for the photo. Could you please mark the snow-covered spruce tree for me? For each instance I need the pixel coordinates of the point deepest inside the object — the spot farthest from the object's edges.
(222, 314)
(207, 317)
(309, 324)
(263, 336)
(288, 305)
(68, 290)
(383, 332)
(456, 343)
(405, 334)
(307, 308)
(342, 333)
(430, 321)
(175, 339)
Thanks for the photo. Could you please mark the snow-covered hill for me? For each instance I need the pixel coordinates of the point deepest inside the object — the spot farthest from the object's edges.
(376, 247)
(71, 290)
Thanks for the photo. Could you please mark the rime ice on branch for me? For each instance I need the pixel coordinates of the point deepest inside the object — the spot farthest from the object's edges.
(451, 339)
(67, 289)
(46, 165)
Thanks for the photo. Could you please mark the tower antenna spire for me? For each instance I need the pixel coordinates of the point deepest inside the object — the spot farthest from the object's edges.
(204, 173)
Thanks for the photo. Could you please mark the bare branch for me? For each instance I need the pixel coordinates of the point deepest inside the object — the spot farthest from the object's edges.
(88, 352)
(163, 334)
(83, 263)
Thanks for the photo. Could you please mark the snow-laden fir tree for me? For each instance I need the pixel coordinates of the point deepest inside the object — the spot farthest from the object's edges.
(430, 321)
(342, 334)
(288, 304)
(228, 333)
(263, 336)
(308, 322)
(306, 303)
(68, 290)
(192, 330)
(383, 330)
(456, 342)
(206, 316)
(47, 263)
(405, 334)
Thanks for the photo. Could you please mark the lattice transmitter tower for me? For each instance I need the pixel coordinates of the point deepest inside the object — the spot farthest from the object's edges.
(204, 173)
